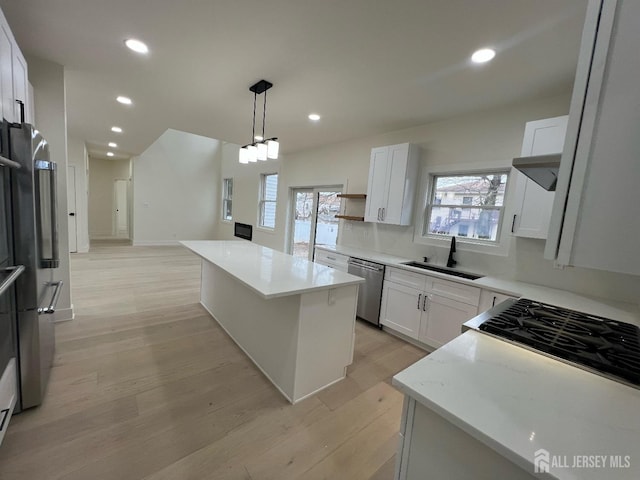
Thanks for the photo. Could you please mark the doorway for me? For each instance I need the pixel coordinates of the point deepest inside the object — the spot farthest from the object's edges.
(120, 214)
(71, 209)
(313, 220)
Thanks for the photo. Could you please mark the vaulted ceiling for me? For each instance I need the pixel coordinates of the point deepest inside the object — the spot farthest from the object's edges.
(366, 66)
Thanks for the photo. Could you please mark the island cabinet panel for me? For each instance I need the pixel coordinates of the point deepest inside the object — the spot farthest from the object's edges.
(432, 447)
(302, 343)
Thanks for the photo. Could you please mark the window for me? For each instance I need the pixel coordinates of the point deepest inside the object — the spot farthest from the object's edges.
(466, 205)
(227, 194)
(268, 195)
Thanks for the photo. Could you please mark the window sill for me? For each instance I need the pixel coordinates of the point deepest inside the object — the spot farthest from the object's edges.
(464, 244)
(266, 229)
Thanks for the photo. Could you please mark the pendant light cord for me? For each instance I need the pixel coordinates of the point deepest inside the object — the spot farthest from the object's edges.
(264, 113)
(253, 131)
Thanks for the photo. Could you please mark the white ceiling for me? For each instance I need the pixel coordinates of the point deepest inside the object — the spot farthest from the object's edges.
(367, 66)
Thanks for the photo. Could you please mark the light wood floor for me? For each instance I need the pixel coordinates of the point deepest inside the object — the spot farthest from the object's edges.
(147, 386)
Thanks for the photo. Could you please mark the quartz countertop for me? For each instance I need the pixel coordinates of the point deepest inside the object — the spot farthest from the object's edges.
(268, 272)
(516, 401)
(624, 312)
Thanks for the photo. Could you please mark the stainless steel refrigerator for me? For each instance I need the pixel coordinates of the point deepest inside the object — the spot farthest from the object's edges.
(35, 246)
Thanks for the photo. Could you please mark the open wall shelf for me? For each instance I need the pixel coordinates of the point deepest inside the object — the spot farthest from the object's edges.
(351, 217)
(360, 196)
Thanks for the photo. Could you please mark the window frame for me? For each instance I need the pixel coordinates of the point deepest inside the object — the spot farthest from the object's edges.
(227, 198)
(262, 201)
(503, 239)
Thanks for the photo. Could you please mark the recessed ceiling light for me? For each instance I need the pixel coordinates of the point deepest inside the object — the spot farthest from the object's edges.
(483, 55)
(314, 116)
(124, 100)
(136, 45)
(116, 129)
(258, 138)
(109, 154)
(113, 144)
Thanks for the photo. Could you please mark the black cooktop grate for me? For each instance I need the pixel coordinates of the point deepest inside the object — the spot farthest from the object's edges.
(608, 346)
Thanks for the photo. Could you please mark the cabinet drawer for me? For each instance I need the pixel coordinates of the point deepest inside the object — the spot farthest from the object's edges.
(456, 291)
(403, 277)
(8, 396)
(325, 257)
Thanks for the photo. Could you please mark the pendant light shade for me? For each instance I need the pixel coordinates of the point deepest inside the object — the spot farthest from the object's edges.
(253, 153)
(259, 149)
(244, 155)
(273, 147)
(262, 151)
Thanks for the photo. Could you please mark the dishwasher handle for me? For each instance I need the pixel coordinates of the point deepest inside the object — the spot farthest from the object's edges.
(356, 262)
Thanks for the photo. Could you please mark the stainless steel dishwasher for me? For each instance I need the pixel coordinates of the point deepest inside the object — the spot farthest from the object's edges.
(370, 293)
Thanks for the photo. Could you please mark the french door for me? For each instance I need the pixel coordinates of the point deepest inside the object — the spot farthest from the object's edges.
(313, 220)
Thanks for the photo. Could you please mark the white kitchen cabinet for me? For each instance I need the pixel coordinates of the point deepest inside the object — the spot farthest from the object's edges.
(331, 259)
(401, 308)
(595, 220)
(534, 203)
(444, 319)
(425, 308)
(393, 173)
(489, 299)
(14, 83)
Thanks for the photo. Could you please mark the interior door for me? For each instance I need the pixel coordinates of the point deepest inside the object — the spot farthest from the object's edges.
(71, 205)
(313, 219)
(121, 222)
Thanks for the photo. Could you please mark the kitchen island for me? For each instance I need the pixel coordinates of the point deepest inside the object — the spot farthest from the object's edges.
(483, 408)
(293, 318)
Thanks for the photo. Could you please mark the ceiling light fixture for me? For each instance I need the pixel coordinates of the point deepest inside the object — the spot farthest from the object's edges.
(109, 154)
(136, 45)
(113, 144)
(124, 100)
(259, 149)
(314, 117)
(483, 55)
(116, 129)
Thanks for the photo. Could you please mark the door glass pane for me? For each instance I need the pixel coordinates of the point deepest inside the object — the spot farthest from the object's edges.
(327, 223)
(303, 216)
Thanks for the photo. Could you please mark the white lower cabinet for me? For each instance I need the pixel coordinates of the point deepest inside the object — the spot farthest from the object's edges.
(444, 319)
(428, 309)
(489, 299)
(331, 259)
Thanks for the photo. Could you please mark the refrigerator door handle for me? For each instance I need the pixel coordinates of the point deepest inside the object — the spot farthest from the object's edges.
(54, 299)
(47, 219)
(5, 162)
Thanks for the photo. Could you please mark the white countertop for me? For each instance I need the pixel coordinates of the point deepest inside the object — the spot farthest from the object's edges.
(517, 401)
(624, 312)
(268, 272)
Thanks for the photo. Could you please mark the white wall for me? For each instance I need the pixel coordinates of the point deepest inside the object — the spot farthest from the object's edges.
(176, 189)
(48, 82)
(103, 174)
(488, 137)
(246, 192)
(78, 157)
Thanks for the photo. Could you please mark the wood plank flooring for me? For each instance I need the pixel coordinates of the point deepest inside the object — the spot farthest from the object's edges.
(145, 385)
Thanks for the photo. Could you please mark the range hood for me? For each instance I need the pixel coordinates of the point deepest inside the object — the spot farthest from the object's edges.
(542, 169)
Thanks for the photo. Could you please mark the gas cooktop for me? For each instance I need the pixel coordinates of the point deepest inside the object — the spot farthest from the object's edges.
(604, 346)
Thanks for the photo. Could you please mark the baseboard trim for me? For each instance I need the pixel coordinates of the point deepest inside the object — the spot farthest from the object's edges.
(64, 315)
(155, 243)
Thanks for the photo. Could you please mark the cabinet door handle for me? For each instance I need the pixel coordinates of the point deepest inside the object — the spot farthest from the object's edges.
(424, 304)
(513, 222)
(384, 213)
(378, 214)
(419, 297)
(494, 301)
(5, 414)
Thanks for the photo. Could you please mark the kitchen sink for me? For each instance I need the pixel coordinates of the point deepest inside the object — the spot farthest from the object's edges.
(445, 270)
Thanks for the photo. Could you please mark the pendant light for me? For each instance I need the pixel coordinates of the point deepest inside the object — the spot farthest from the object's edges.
(262, 149)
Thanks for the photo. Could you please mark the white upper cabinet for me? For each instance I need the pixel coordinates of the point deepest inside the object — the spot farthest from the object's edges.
(599, 179)
(393, 173)
(534, 203)
(14, 80)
